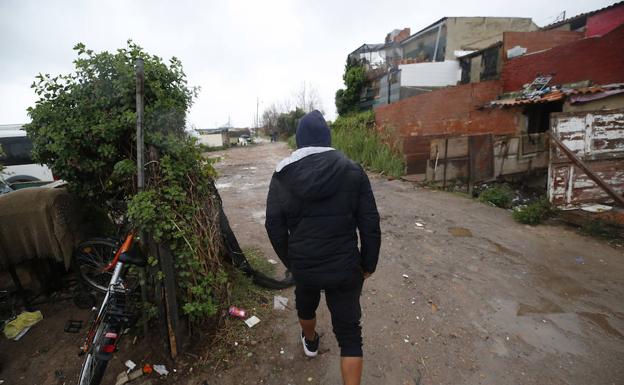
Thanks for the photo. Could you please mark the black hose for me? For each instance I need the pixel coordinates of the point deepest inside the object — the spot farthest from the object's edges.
(238, 259)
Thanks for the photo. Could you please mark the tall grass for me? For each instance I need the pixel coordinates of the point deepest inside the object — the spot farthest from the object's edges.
(356, 136)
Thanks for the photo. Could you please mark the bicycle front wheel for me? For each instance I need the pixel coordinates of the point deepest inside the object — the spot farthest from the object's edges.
(94, 366)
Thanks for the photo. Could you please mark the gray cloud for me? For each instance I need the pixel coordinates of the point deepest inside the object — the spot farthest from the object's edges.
(235, 50)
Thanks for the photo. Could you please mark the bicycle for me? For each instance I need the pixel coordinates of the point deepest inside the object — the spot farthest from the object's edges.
(113, 317)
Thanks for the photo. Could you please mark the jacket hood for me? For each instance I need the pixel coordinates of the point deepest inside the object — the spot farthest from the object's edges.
(315, 176)
(313, 131)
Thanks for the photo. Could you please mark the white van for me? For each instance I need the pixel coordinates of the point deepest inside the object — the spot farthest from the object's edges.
(16, 157)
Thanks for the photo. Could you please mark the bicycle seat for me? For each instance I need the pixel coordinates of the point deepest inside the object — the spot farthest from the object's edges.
(133, 258)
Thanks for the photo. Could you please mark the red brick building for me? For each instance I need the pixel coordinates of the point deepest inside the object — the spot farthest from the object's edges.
(436, 128)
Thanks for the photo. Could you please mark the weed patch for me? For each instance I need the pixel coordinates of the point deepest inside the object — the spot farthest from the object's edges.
(601, 229)
(356, 136)
(292, 142)
(234, 337)
(499, 195)
(534, 213)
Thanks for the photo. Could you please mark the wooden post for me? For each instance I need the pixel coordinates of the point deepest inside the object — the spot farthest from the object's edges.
(171, 302)
(580, 164)
(445, 162)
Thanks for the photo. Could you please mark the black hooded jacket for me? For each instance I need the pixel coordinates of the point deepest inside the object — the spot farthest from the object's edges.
(313, 209)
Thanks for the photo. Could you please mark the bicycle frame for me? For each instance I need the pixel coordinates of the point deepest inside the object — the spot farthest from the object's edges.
(118, 266)
(124, 247)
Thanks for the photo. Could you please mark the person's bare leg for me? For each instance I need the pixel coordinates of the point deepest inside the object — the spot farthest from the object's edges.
(351, 368)
(309, 328)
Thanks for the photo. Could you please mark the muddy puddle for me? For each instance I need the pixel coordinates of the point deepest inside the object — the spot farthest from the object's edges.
(460, 232)
(601, 320)
(544, 307)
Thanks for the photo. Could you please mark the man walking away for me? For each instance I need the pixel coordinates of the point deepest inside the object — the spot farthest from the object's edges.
(317, 199)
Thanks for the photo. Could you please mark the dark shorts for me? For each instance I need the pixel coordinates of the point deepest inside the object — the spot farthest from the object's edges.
(343, 301)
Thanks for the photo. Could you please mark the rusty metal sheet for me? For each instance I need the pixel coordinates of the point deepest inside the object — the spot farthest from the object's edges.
(481, 152)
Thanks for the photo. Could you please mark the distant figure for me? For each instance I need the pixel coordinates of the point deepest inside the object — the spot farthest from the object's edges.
(273, 136)
(317, 199)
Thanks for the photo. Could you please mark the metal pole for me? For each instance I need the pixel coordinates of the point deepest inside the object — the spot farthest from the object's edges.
(140, 110)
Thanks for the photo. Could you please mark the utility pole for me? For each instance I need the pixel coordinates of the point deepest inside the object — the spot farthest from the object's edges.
(257, 112)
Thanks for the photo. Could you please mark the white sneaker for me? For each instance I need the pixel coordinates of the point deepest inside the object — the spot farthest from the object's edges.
(310, 348)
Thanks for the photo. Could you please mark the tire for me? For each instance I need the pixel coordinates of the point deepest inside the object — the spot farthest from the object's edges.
(90, 258)
(93, 367)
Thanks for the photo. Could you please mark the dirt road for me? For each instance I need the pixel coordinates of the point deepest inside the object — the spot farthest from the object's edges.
(462, 295)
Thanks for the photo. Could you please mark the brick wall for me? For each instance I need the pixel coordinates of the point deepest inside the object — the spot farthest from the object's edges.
(447, 111)
(451, 111)
(606, 21)
(538, 40)
(599, 59)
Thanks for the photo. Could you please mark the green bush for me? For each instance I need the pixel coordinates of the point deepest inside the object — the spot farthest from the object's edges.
(356, 136)
(500, 195)
(533, 213)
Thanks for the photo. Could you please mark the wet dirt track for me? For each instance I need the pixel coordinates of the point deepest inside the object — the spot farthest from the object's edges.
(462, 294)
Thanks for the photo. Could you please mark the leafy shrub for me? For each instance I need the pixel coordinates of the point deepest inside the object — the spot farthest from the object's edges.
(499, 195)
(84, 127)
(357, 137)
(533, 213)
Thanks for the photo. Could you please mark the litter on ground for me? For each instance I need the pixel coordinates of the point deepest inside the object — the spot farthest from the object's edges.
(20, 325)
(252, 321)
(130, 365)
(279, 302)
(161, 369)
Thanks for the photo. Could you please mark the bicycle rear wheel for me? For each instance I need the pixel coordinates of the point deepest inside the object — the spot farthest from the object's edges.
(90, 259)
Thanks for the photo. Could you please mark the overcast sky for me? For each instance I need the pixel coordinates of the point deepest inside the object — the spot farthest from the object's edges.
(236, 51)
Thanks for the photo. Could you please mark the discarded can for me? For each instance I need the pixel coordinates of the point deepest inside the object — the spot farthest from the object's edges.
(236, 312)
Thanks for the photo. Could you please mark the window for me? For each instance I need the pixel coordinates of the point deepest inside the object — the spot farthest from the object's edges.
(489, 63)
(423, 47)
(16, 151)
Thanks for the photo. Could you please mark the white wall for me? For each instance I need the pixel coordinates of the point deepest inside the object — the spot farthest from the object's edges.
(436, 74)
(212, 140)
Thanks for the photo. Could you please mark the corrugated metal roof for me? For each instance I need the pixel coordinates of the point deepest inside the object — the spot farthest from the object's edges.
(579, 16)
(553, 95)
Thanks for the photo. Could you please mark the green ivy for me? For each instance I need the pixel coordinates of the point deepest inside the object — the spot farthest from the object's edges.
(354, 78)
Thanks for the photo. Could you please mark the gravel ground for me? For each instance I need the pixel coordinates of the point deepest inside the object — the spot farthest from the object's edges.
(462, 295)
